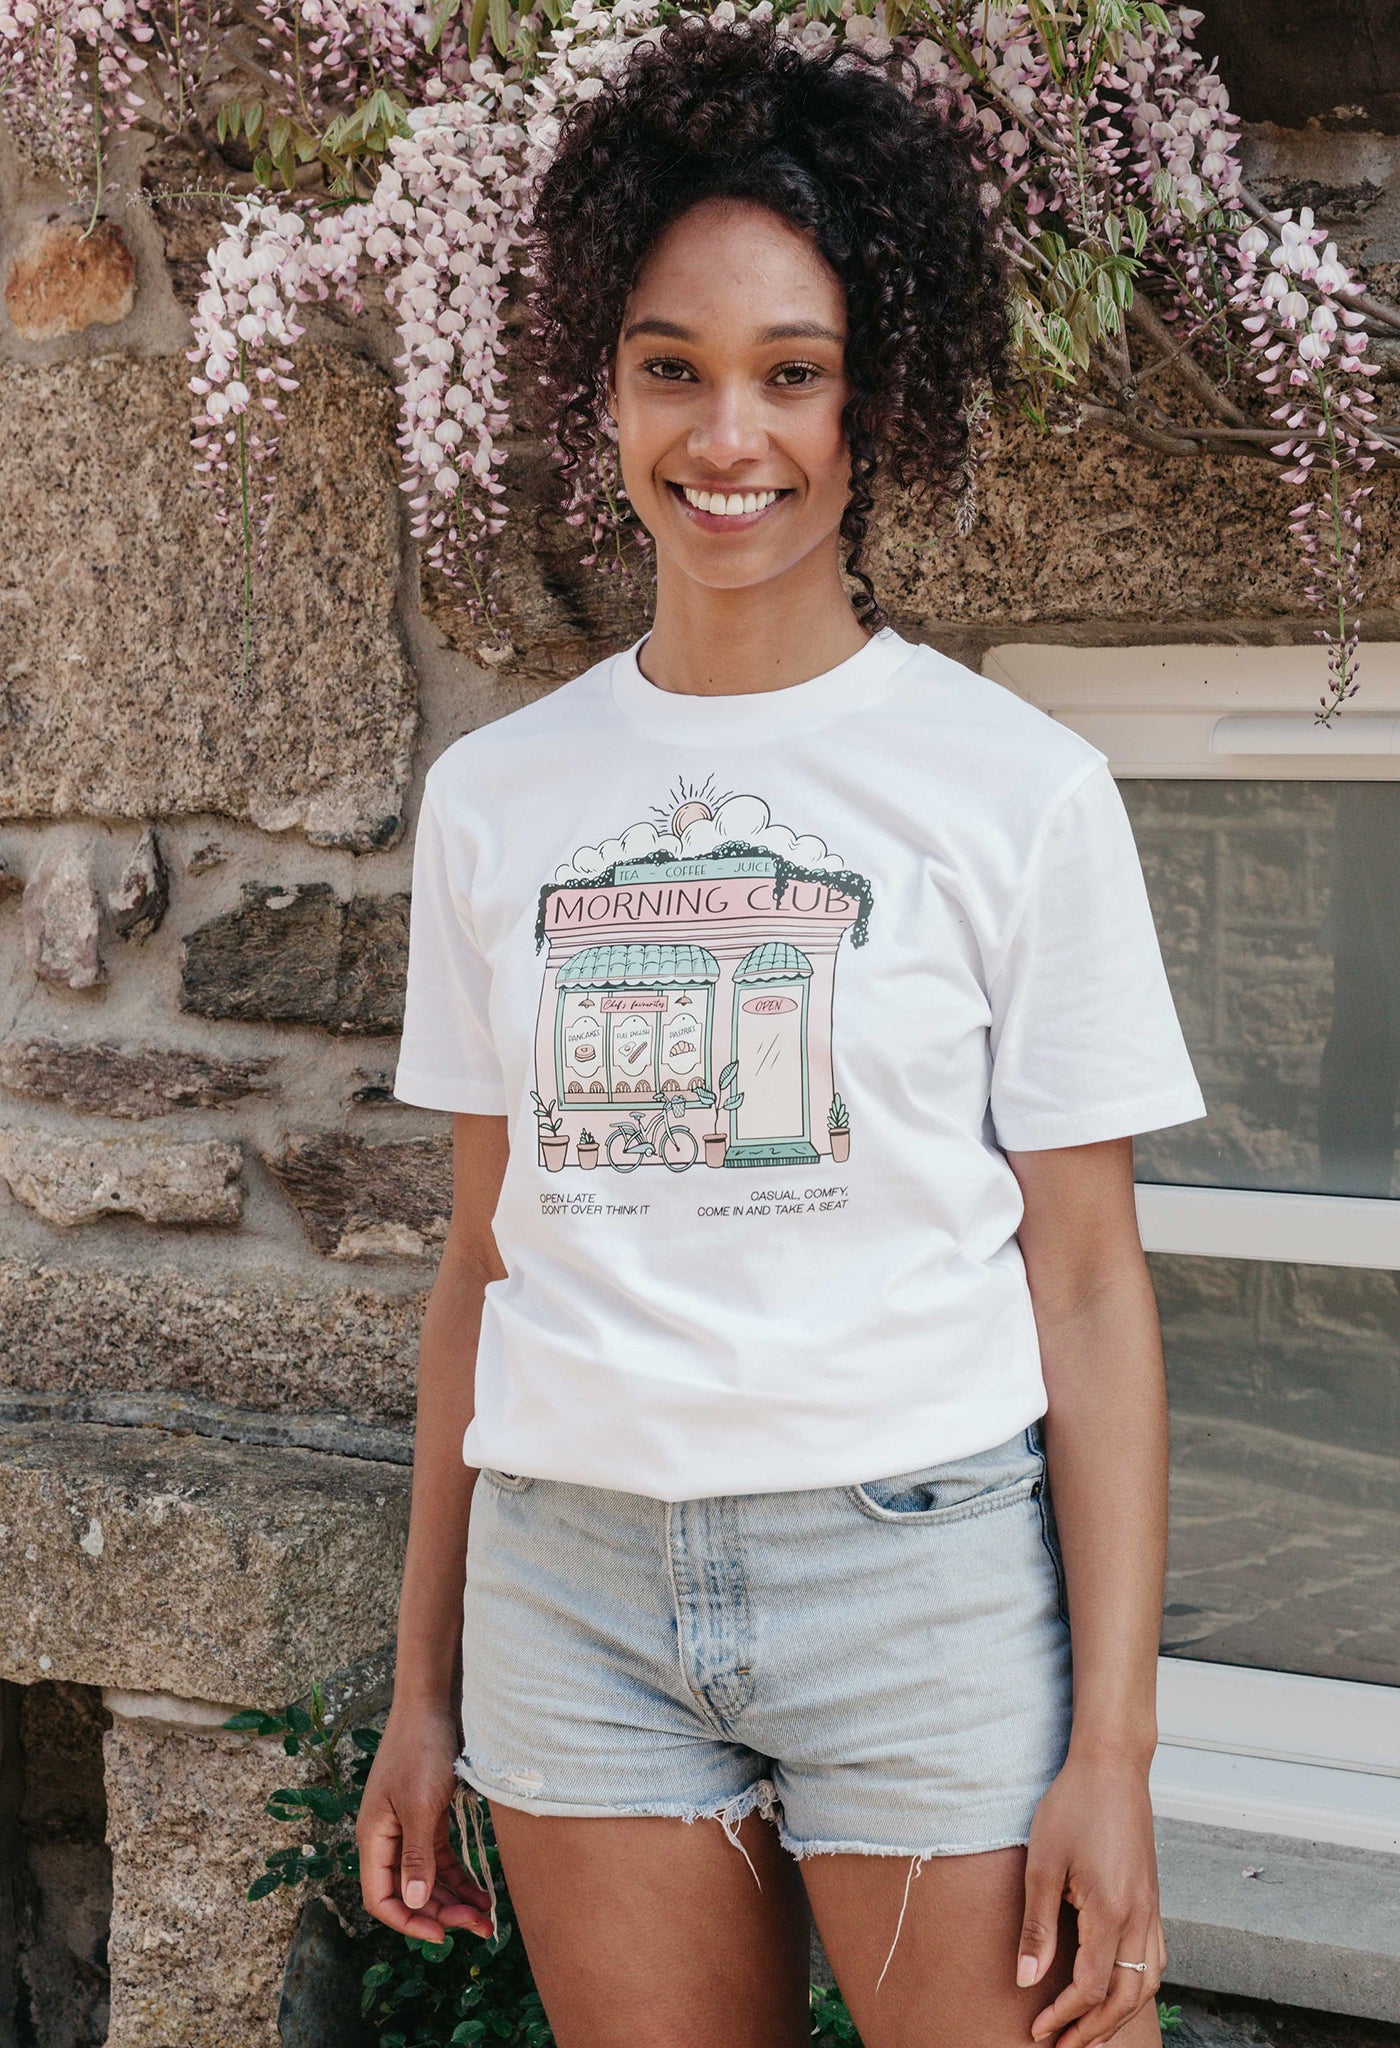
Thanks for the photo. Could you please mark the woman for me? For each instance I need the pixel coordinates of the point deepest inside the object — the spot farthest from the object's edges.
(761, 1551)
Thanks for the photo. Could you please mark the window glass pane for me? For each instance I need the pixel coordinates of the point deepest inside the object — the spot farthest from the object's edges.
(632, 1045)
(1285, 1395)
(1278, 907)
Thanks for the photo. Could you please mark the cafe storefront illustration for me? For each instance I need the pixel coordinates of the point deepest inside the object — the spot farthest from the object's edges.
(691, 999)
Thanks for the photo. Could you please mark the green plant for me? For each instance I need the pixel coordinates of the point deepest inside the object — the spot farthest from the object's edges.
(831, 2023)
(1169, 2018)
(417, 1994)
(706, 1098)
(838, 1117)
(545, 1115)
(587, 1138)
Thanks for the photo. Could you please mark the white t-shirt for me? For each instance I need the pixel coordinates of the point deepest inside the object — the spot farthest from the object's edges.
(764, 984)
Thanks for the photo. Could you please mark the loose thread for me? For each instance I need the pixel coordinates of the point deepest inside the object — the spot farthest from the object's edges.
(916, 1864)
(466, 1796)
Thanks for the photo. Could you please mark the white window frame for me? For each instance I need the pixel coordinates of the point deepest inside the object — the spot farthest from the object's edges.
(1272, 1751)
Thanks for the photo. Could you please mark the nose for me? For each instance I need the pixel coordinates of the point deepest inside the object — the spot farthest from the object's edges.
(728, 429)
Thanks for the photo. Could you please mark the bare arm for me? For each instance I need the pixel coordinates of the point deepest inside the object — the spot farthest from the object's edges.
(409, 1876)
(1106, 1447)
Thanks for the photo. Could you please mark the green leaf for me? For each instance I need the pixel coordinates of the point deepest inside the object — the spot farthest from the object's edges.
(366, 1740)
(476, 26)
(262, 1887)
(253, 120)
(279, 130)
(227, 124)
(289, 1742)
(251, 1720)
(498, 15)
(325, 1804)
(438, 20)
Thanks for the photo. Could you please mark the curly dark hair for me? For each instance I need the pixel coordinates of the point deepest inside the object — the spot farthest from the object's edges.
(833, 144)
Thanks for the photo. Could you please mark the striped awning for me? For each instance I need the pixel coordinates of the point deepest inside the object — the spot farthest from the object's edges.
(657, 966)
(774, 961)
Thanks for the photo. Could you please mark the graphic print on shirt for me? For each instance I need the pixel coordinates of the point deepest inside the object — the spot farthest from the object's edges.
(686, 1009)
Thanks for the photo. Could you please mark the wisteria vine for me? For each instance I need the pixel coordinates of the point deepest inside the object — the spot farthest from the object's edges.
(1151, 291)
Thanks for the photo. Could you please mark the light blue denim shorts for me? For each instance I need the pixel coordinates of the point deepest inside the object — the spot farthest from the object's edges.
(882, 1669)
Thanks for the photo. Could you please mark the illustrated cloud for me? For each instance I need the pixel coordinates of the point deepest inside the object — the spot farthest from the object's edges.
(738, 817)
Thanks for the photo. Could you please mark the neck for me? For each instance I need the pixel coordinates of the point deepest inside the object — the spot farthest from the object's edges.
(720, 643)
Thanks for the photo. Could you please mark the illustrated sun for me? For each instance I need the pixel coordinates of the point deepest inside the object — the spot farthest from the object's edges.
(687, 804)
(688, 815)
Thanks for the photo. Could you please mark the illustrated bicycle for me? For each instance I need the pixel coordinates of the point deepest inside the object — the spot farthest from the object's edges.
(666, 1136)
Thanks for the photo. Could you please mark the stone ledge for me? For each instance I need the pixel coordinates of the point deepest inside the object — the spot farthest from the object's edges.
(237, 1573)
(1316, 1927)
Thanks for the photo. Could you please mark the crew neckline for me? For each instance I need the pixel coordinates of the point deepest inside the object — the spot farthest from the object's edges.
(853, 685)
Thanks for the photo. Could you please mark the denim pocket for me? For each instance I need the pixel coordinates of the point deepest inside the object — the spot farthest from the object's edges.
(510, 1482)
(976, 1484)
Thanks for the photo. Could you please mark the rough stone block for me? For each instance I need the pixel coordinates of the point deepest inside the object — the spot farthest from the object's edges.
(142, 895)
(161, 1180)
(124, 620)
(298, 955)
(158, 1563)
(146, 1081)
(63, 919)
(194, 1963)
(362, 1201)
(259, 1339)
(63, 279)
(1070, 527)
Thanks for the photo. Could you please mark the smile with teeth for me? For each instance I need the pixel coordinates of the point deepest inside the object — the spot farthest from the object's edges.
(729, 504)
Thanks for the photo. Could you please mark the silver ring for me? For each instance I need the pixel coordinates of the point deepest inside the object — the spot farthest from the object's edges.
(1119, 1964)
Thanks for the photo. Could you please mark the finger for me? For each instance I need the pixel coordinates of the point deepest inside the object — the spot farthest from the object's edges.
(1035, 1947)
(381, 1854)
(1128, 1991)
(378, 1838)
(1099, 1930)
(418, 1861)
(453, 1909)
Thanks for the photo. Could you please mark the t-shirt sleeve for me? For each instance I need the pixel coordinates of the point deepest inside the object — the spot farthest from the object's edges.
(447, 1058)
(1086, 1043)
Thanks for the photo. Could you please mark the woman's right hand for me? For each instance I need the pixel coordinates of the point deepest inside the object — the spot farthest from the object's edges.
(410, 1876)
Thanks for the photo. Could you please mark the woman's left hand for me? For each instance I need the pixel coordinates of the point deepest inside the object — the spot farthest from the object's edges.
(1092, 1844)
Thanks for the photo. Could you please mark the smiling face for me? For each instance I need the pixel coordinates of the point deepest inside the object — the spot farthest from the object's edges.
(728, 388)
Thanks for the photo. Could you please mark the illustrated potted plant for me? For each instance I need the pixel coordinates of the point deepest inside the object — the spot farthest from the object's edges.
(838, 1124)
(587, 1149)
(716, 1142)
(554, 1139)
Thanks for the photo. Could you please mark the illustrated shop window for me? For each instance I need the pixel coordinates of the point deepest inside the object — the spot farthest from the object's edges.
(1270, 846)
(633, 1023)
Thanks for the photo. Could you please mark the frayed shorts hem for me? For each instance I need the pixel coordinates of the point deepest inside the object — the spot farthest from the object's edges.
(759, 1798)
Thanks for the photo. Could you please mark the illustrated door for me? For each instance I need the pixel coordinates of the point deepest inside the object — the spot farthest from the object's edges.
(770, 1044)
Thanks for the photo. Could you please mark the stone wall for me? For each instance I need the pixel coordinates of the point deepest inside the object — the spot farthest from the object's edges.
(216, 1227)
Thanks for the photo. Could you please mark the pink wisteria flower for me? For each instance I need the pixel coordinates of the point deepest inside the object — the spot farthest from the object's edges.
(410, 135)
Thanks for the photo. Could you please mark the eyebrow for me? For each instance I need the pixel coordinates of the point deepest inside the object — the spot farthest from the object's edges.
(794, 330)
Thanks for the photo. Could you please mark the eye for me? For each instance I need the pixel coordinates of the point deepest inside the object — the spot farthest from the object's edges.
(667, 369)
(795, 376)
